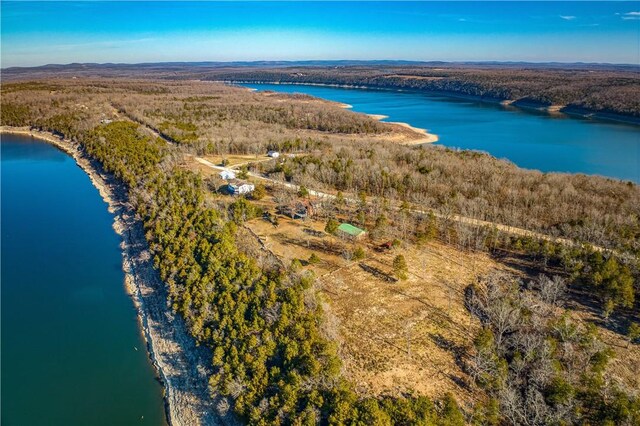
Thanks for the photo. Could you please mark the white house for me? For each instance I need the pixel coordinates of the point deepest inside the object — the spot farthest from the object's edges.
(227, 175)
(238, 187)
(273, 154)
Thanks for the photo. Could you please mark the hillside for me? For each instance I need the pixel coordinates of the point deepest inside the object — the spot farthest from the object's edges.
(480, 293)
(571, 90)
(608, 91)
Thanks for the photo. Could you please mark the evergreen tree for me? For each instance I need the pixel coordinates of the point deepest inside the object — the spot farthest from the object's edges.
(400, 267)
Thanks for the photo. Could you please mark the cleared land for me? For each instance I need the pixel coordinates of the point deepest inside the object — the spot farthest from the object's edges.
(408, 335)
(396, 336)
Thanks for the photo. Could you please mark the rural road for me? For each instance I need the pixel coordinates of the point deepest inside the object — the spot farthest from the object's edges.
(512, 230)
(457, 218)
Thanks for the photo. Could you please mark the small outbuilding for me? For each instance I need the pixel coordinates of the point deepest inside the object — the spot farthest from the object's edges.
(237, 187)
(301, 209)
(273, 154)
(349, 231)
(227, 174)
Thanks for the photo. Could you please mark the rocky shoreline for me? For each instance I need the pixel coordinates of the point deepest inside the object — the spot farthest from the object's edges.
(182, 367)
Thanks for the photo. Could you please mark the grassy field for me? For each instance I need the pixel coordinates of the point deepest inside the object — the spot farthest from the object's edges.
(395, 336)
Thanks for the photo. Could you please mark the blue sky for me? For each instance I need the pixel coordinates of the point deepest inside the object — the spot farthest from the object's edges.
(37, 33)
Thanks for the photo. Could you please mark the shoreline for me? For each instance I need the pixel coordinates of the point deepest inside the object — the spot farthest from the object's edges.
(181, 366)
(424, 136)
(427, 137)
(552, 110)
(378, 117)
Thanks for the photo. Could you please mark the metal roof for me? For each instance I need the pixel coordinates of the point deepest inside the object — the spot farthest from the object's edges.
(350, 229)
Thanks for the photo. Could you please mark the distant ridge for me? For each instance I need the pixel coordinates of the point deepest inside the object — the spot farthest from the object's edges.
(590, 90)
(320, 63)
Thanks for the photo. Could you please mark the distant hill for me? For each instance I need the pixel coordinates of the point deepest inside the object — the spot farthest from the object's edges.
(319, 63)
(609, 91)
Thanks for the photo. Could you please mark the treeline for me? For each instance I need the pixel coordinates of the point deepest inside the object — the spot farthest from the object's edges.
(610, 278)
(596, 90)
(602, 212)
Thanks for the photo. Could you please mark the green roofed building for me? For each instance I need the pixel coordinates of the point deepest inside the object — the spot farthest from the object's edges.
(349, 231)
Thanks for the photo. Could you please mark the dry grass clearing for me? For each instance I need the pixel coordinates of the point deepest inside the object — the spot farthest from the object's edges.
(407, 335)
(396, 337)
(296, 239)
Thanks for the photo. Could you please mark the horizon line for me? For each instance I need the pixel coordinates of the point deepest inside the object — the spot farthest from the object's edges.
(302, 61)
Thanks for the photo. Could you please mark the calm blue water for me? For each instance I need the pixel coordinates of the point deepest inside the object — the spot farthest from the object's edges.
(68, 328)
(529, 139)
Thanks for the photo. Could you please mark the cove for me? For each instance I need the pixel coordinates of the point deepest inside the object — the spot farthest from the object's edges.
(528, 138)
(72, 352)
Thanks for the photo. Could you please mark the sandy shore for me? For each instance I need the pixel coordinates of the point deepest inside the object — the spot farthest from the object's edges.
(182, 367)
(555, 110)
(378, 116)
(416, 136)
(425, 137)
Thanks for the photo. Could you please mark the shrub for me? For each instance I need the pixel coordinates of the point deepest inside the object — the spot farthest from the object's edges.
(359, 253)
(259, 192)
(314, 259)
(331, 227)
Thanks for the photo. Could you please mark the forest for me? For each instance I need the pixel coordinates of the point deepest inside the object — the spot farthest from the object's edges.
(273, 361)
(342, 151)
(603, 91)
(611, 91)
(538, 365)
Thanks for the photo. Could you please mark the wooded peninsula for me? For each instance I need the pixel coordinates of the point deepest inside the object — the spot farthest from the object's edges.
(361, 279)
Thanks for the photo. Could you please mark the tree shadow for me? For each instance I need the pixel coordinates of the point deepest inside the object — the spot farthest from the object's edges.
(459, 353)
(378, 273)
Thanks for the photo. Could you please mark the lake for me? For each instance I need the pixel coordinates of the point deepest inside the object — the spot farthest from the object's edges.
(72, 352)
(530, 139)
